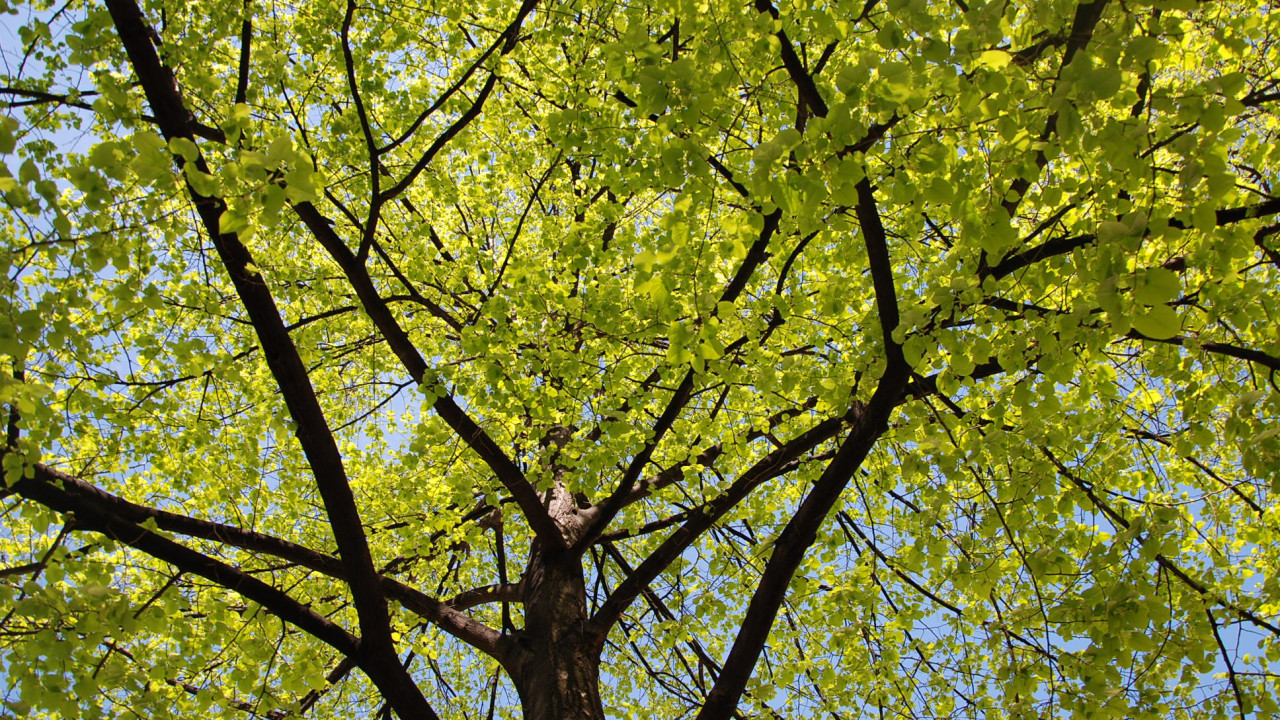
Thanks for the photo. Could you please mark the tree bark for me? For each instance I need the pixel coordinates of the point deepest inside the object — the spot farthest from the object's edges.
(555, 664)
(556, 667)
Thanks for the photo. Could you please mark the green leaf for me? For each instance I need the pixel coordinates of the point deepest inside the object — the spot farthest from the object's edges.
(895, 82)
(1158, 286)
(994, 59)
(852, 77)
(281, 150)
(787, 138)
(1102, 82)
(939, 191)
(204, 184)
(8, 126)
(233, 221)
(1160, 322)
(184, 148)
(28, 173)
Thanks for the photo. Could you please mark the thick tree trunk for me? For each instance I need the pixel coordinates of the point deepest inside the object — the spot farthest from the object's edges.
(556, 664)
(556, 670)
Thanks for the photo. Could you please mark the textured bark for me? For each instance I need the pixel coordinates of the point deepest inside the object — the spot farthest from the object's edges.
(556, 670)
(556, 663)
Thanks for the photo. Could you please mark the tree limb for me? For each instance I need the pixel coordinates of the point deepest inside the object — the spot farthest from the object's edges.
(601, 515)
(443, 615)
(1063, 245)
(869, 423)
(246, 40)
(507, 472)
(779, 462)
(801, 531)
(43, 488)
(380, 660)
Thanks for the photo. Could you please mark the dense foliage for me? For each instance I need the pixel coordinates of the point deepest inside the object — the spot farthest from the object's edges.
(901, 358)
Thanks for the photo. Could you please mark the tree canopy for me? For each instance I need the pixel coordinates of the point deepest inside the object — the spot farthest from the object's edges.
(663, 358)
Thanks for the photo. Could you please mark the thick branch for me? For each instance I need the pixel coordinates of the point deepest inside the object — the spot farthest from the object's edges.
(796, 70)
(780, 461)
(379, 657)
(366, 129)
(43, 488)
(509, 592)
(246, 42)
(1254, 356)
(923, 387)
(873, 235)
(442, 615)
(1228, 216)
(1047, 249)
(1063, 245)
(796, 538)
(507, 472)
(1082, 26)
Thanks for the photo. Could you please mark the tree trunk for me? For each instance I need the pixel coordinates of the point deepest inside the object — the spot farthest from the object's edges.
(555, 664)
(556, 668)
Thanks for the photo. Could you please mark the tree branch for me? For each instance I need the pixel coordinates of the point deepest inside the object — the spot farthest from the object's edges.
(1226, 659)
(708, 456)
(506, 40)
(869, 423)
(510, 592)
(1254, 356)
(456, 127)
(366, 130)
(796, 70)
(246, 40)
(873, 236)
(443, 615)
(1063, 245)
(777, 463)
(507, 472)
(43, 488)
(1082, 26)
(599, 517)
(1164, 562)
(377, 649)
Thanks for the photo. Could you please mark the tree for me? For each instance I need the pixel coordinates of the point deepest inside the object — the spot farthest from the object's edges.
(571, 359)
